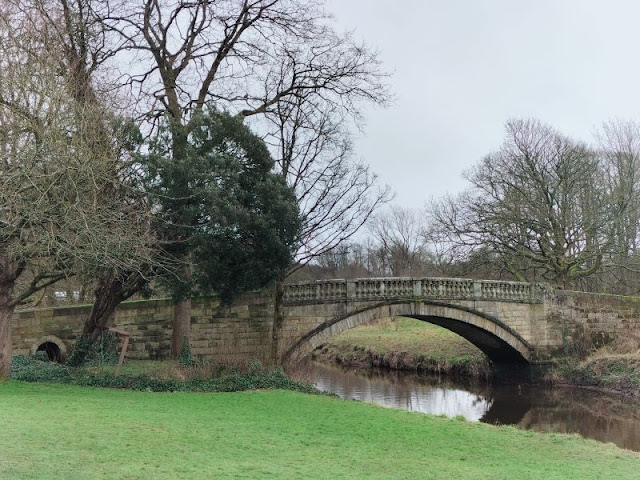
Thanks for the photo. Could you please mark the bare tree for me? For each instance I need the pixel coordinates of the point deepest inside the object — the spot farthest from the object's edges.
(55, 219)
(277, 61)
(399, 233)
(618, 145)
(538, 202)
(312, 143)
(83, 49)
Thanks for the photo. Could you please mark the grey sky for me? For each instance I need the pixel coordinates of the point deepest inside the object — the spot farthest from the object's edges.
(461, 68)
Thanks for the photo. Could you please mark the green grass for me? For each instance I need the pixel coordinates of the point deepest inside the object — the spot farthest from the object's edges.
(420, 343)
(410, 335)
(160, 369)
(69, 432)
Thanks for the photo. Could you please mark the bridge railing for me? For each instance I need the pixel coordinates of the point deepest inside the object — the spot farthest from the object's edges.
(410, 288)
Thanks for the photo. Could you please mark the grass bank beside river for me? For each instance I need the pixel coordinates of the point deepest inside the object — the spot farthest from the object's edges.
(619, 372)
(406, 344)
(64, 431)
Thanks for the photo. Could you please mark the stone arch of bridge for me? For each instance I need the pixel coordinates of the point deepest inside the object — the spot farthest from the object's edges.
(497, 340)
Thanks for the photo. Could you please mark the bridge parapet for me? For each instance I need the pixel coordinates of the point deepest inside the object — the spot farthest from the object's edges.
(410, 288)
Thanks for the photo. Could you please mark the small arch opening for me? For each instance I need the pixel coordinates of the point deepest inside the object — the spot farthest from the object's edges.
(52, 350)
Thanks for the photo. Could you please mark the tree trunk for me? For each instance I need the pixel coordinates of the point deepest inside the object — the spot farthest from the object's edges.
(111, 292)
(6, 312)
(105, 304)
(278, 322)
(181, 326)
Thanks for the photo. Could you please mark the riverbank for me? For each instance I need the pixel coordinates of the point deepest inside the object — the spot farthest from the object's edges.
(405, 344)
(79, 432)
(615, 372)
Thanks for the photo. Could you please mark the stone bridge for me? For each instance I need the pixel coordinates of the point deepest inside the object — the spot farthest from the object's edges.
(511, 322)
(503, 319)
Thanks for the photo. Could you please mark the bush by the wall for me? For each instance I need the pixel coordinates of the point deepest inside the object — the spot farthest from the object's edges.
(29, 369)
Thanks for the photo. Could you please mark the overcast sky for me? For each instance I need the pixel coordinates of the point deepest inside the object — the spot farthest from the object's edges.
(461, 68)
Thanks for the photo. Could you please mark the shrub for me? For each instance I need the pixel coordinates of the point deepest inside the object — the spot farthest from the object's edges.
(186, 358)
(41, 355)
(105, 351)
(29, 369)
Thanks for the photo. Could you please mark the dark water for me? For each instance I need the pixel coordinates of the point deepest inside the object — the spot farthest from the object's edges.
(603, 417)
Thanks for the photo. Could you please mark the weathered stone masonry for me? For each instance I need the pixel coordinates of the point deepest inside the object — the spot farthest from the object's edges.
(510, 321)
(225, 334)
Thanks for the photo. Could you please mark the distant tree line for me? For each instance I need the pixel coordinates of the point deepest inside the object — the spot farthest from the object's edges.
(542, 208)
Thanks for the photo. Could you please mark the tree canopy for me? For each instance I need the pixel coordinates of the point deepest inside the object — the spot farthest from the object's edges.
(540, 203)
(222, 207)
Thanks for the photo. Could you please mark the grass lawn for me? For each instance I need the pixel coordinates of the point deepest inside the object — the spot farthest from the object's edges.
(408, 335)
(69, 432)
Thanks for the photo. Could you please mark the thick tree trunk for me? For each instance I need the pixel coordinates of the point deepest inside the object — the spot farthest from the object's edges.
(278, 321)
(181, 326)
(104, 307)
(6, 312)
(182, 309)
(111, 292)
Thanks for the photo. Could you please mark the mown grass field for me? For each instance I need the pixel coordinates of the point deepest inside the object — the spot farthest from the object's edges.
(69, 432)
(409, 335)
(417, 341)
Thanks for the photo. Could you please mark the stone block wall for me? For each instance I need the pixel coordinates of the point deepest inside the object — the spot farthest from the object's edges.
(301, 319)
(597, 318)
(236, 333)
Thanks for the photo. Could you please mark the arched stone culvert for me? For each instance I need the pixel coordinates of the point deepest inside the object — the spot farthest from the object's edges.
(53, 346)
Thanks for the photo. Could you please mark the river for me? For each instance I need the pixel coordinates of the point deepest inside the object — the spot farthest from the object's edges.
(601, 416)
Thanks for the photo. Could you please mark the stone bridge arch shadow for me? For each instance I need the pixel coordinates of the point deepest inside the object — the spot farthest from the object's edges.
(498, 341)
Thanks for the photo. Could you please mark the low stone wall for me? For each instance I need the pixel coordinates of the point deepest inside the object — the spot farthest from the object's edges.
(596, 319)
(237, 333)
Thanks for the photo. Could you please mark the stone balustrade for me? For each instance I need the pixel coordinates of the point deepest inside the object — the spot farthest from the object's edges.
(418, 288)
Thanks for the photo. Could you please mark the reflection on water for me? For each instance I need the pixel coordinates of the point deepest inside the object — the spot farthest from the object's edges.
(604, 417)
(403, 390)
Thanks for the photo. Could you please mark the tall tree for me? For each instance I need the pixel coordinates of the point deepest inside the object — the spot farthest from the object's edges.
(538, 202)
(277, 61)
(222, 208)
(55, 219)
(311, 141)
(619, 150)
(83, 49)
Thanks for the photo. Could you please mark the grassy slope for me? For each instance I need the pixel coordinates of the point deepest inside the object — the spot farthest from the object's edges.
(434, 344)
(615, 366)
(65, 432)
(613, 371)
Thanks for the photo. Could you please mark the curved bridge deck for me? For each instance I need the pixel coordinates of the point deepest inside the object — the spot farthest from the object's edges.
(496, 316)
